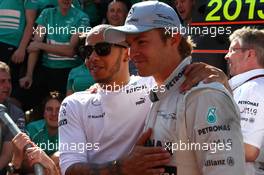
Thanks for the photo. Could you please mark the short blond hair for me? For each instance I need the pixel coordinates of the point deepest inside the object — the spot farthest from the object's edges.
(4, 67)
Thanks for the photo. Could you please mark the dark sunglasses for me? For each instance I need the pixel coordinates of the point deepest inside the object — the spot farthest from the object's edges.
(101, 49)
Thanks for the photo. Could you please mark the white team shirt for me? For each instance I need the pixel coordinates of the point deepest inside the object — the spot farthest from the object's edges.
(249, 95)
(201, 128)
(104, 126)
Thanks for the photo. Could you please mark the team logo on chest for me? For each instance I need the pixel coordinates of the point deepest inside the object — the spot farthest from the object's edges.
(211, 115)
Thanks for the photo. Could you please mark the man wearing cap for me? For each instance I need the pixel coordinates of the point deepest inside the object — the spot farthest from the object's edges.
(200, 128)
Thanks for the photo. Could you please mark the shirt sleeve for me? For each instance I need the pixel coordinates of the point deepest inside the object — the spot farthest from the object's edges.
(251, 107)
(70, 80)
(43, 17)
(213, 122)
(72, 137)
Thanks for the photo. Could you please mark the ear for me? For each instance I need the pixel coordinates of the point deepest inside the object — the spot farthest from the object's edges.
(251, 53)
(176, 39)
(125, 55)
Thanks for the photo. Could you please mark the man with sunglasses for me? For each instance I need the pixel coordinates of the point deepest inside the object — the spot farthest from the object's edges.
(203, 116)
(105, 126)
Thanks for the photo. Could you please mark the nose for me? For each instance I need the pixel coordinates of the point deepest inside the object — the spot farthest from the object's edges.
(179, 5)
(132, 52)
(115, 12)
(227, 56)
(55, 112)
(93, 56)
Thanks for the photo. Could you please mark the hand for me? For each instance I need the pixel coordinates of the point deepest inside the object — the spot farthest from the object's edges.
(56, 159)
(34, 46)
(93, 89)
(18, 56)
(25, 82)
(145, 160)
(36, 155)
(197, 72)
(19, 142)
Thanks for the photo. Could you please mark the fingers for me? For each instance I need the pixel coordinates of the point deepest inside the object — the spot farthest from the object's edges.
(144, 137)
(150, 150)
(155, 171)
(194, 67)
(156, 160)
(189, 82)
(17, 58)
(25, 82)
(197, 72)
(34, 154)
(93, 89)
(158, 156)
(20, 140)
(150, 157)
(212, 78)
(13, 58)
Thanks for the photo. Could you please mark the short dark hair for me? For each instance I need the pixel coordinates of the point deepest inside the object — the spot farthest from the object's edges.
(53, 95)
(127, 3)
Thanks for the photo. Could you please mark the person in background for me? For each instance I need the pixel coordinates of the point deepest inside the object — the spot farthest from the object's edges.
(13, 41)
(246, 65)
(59, 55)
(93, 8)
(44, 133)
(117, 12)
(15, 113)
(116, 15)
(184, 8)
(27, 97)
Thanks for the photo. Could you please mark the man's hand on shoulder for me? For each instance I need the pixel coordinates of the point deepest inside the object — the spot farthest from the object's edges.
(197, 72)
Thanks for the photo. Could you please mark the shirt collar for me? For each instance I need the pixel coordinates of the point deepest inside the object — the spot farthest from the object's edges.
(172, 83)
(240, 79)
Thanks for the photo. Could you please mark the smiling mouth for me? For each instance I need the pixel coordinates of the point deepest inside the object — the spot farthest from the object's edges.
(95, 68)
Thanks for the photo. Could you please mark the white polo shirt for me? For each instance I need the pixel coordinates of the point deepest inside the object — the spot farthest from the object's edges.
(101, 127)
(248, 90)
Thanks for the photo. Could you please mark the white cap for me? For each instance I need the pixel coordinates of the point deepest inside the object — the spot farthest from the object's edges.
(142, 17)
